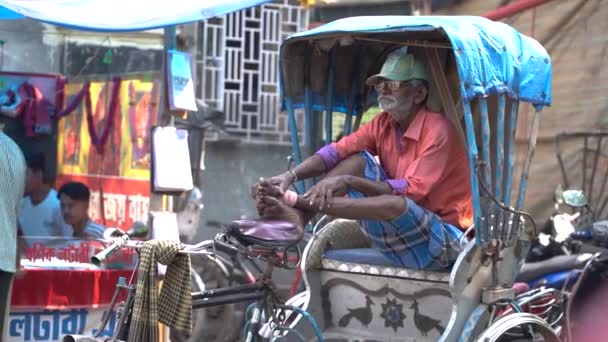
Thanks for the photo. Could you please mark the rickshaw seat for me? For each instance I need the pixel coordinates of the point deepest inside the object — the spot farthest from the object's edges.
(342, 246)
(330, 264)
(265, 233)
(368, 256)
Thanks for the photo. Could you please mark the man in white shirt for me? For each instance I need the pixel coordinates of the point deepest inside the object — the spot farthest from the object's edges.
(74, 201)
(40, 213)
(12, 184)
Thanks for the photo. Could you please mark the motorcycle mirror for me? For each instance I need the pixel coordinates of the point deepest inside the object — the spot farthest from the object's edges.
(575, 198)
(138, 230)
(195, 196)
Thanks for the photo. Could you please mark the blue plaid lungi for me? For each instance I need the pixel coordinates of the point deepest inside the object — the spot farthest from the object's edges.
(417, 239)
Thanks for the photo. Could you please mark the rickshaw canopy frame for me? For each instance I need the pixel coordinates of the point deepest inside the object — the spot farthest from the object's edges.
(491, 57)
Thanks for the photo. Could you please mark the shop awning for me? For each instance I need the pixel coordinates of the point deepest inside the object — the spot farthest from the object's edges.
(120, 15)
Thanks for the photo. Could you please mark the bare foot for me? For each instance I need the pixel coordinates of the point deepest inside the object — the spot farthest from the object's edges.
(265, 188)
(273, 208)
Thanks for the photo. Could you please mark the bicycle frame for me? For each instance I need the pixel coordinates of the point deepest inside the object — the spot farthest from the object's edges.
(123, 318)
(261, 292)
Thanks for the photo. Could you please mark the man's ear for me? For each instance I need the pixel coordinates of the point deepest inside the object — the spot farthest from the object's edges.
(421, 94)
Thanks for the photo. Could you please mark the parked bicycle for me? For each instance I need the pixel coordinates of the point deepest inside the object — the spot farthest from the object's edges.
(216, 323)
(269, 316)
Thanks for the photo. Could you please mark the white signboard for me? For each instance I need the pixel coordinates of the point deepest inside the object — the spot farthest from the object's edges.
(53, 325)
(179, 79)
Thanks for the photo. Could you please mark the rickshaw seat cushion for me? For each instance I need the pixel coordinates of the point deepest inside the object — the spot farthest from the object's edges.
(368, 256)
(337, 234)
(329, 264)
(266, 233)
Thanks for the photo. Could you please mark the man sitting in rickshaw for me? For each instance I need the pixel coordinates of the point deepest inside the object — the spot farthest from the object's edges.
(413, 204)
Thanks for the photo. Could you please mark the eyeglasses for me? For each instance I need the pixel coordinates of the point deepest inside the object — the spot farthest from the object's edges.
(392, 85)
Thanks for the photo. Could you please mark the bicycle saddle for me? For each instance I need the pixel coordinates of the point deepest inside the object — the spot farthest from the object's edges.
(265, 233)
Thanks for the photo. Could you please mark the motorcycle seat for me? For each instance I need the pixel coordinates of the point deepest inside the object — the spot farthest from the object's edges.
(265, 233)
(533, 270)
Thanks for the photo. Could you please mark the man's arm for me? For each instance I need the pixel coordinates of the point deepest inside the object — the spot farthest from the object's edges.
(328, 156)
(312, 166)
(367, 187)
(383, 207)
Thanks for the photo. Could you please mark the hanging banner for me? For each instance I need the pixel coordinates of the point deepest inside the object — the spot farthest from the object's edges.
(119, 176)
(181, 85)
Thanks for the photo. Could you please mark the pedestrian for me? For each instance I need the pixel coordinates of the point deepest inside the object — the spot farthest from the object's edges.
(12, 187)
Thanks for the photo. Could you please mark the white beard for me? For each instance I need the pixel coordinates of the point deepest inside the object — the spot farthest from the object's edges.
(391, 103)
(388, 102)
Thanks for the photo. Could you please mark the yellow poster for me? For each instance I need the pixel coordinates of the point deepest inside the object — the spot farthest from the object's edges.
(121, 172)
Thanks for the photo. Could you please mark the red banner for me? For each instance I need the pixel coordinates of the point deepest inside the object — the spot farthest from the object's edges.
(124, 200)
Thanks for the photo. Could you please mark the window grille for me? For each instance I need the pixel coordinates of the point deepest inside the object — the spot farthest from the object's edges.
(237, 64)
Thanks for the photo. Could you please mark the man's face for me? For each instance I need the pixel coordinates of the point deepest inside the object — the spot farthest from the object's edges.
(33, 180)
(73, 211)
(398, 98)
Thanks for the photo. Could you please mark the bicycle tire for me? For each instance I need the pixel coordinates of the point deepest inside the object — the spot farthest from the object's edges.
(497, 332)
(309, 318)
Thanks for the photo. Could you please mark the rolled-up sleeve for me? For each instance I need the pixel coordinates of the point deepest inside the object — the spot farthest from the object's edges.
(363, 139)
(399, 186)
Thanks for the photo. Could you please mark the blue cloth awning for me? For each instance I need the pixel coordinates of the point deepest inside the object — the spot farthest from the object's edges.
(491, 57)
(120, 15)
(6, 14)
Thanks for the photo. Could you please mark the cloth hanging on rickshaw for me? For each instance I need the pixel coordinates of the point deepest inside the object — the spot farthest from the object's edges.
(28, 103)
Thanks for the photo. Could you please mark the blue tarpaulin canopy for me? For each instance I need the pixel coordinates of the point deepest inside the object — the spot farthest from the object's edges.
(491, 57)
(120, 15)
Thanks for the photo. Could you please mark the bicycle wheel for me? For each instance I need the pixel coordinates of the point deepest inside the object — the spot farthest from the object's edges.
(519, 327)
(288, 331)
(213, 324)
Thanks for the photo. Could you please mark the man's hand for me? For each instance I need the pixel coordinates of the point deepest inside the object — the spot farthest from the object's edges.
(324, 190)
(282, 182)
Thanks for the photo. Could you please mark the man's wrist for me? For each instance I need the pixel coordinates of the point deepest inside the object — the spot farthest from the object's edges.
(291, 176)
(294, 175)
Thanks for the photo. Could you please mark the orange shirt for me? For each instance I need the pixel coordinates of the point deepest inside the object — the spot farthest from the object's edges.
(430, 156)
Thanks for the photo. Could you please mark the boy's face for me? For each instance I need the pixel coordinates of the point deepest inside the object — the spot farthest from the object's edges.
(73, 211)
(33, 180)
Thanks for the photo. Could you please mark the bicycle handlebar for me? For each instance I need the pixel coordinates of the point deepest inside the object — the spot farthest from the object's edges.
(225, 248)
(100, 257)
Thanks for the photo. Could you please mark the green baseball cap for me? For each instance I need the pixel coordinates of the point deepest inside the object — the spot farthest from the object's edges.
(400, 66)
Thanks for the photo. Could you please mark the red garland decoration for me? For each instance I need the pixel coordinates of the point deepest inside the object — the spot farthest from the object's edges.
(85, 94)
(100, 142)
(75, 102)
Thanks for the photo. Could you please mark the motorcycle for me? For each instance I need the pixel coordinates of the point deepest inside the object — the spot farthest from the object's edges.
(561, 252)
(565, 266)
